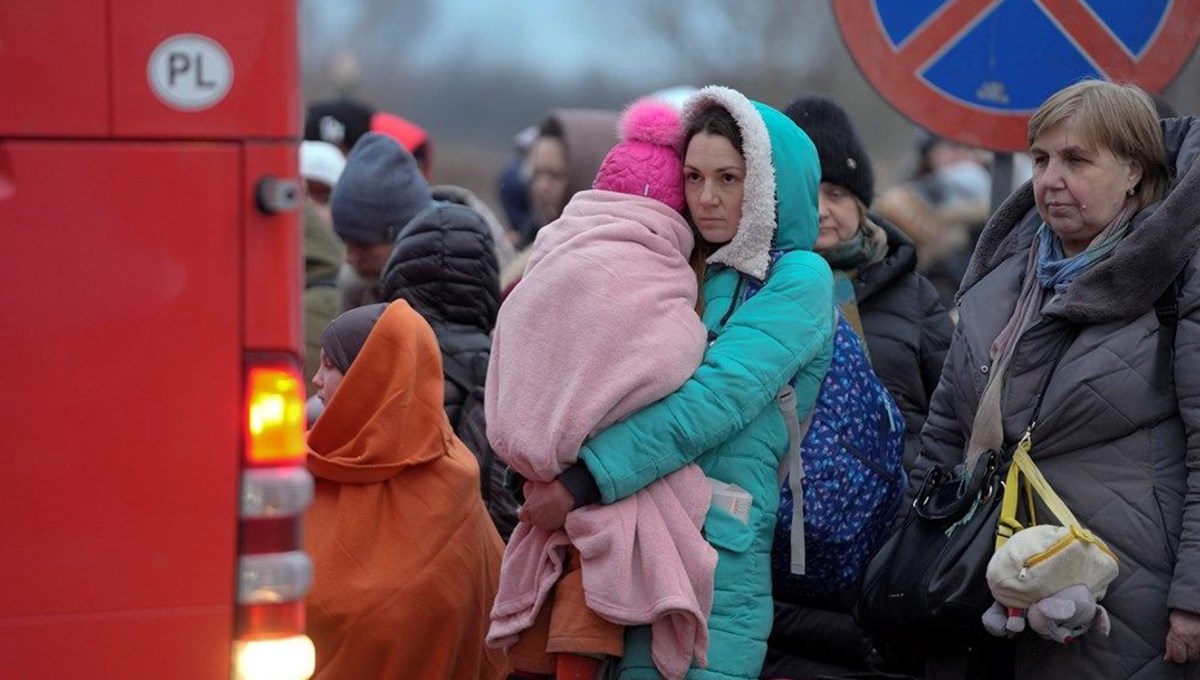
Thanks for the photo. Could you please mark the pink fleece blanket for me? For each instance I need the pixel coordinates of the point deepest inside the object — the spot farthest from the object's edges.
(602, 324)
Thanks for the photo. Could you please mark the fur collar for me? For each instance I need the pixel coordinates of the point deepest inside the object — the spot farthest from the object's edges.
(1163, 238)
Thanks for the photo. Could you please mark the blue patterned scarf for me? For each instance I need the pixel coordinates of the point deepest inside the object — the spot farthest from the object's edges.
(1056, 270)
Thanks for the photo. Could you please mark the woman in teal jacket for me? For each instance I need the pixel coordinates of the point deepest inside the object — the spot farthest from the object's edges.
(726, 417)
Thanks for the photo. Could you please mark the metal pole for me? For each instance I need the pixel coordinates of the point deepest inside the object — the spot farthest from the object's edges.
(1002, 177)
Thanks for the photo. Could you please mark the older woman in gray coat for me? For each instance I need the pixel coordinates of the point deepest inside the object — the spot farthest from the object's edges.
(1073, 263)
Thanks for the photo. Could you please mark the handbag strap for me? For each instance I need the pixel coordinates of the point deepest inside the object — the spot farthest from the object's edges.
(1022, 463)
(1035, 483)
(1041, 395)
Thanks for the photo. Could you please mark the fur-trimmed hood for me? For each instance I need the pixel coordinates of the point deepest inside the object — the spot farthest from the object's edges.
(783, 174)
(1161, 240)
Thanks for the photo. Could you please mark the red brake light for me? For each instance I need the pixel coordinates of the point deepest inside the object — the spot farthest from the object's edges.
(274, 416)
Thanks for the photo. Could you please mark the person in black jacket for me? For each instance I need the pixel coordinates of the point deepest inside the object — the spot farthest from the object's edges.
(906, 333)
(444, 265)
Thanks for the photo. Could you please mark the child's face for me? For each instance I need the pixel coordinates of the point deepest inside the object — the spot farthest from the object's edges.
(327, 379)
(714, 176)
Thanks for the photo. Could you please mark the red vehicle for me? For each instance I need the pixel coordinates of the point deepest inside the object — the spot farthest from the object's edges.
(150, 301)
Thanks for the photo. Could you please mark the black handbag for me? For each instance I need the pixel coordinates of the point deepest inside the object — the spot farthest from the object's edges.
(928, 579)
(929, 576)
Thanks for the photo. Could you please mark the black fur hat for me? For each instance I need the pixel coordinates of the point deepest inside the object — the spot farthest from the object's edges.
(843, 160)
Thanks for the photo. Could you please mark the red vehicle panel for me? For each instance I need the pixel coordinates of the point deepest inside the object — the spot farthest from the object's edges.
(273, 248)
(152, 328)
(68, 50)
(117, 317)
(260, 40)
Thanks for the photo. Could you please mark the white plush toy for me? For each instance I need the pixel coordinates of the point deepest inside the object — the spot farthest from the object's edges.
(1062, 617)
(1054, 576)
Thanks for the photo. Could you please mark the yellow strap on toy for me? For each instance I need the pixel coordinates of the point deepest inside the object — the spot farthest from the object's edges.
(1034, 478)
(1009, 524)
(1023, 466)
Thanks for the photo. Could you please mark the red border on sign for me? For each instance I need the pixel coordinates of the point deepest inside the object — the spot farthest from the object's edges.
(894, 72)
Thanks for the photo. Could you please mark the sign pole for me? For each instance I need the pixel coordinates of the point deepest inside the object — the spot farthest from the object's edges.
(1002, 177)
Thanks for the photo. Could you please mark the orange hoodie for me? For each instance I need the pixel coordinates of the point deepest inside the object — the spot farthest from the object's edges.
(406, 559)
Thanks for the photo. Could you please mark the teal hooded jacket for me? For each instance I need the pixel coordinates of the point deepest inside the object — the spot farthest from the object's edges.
(725, 417)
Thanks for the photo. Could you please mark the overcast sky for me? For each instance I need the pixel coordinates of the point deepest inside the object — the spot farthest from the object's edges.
(559, 38)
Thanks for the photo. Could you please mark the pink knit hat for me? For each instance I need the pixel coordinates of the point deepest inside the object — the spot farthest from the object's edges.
(646, 161)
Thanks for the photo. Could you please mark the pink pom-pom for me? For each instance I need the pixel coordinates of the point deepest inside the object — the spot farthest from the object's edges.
(651, 121)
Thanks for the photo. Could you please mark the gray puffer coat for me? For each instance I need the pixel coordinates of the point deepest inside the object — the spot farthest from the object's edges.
(1119, 446)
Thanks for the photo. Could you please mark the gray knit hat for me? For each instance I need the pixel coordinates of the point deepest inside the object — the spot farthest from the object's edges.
(380, 190)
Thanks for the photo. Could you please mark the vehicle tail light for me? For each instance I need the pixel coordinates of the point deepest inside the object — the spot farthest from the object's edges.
(274, 416)
(286, 658)
(273, 572)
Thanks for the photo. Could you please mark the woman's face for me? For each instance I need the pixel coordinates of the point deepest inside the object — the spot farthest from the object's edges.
(714, 180)
(839, 216)
(1078, 186)
(549, 178)
(327, 379)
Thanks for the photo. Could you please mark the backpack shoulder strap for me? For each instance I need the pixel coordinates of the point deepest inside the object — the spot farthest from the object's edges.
(451, 345)
(458, 373)
(1166, 308)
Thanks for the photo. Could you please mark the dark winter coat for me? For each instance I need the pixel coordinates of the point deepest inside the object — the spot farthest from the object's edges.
(907, 328)
(1114, 440)
(444, 265)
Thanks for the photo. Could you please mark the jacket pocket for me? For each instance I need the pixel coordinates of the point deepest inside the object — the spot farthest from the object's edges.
(724, 530)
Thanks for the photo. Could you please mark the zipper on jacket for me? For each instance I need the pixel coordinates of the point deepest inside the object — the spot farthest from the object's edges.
(734, 301)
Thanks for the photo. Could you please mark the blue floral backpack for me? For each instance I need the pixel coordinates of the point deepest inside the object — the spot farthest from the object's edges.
(849, 472)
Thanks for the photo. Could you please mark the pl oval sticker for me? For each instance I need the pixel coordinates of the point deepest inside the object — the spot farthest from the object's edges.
(190, 72)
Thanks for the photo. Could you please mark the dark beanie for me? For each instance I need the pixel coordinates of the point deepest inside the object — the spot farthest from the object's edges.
(380, 190)
(345, 336)
(340, 122)
(844, 162)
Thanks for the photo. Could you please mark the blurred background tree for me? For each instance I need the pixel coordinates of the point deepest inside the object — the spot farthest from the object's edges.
(475, 73)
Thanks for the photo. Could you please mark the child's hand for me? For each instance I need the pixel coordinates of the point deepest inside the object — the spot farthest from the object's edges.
(546, 504)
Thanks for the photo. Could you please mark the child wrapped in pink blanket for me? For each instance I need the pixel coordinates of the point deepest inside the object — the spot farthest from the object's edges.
(602, 324)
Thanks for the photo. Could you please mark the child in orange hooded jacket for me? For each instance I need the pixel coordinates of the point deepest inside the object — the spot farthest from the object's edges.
(406, 560)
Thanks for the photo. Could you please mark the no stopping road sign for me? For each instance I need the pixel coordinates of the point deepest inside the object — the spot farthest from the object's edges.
(975, 70)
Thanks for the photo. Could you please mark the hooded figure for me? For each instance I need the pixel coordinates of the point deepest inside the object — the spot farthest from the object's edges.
(405, 558)
(726, 417)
